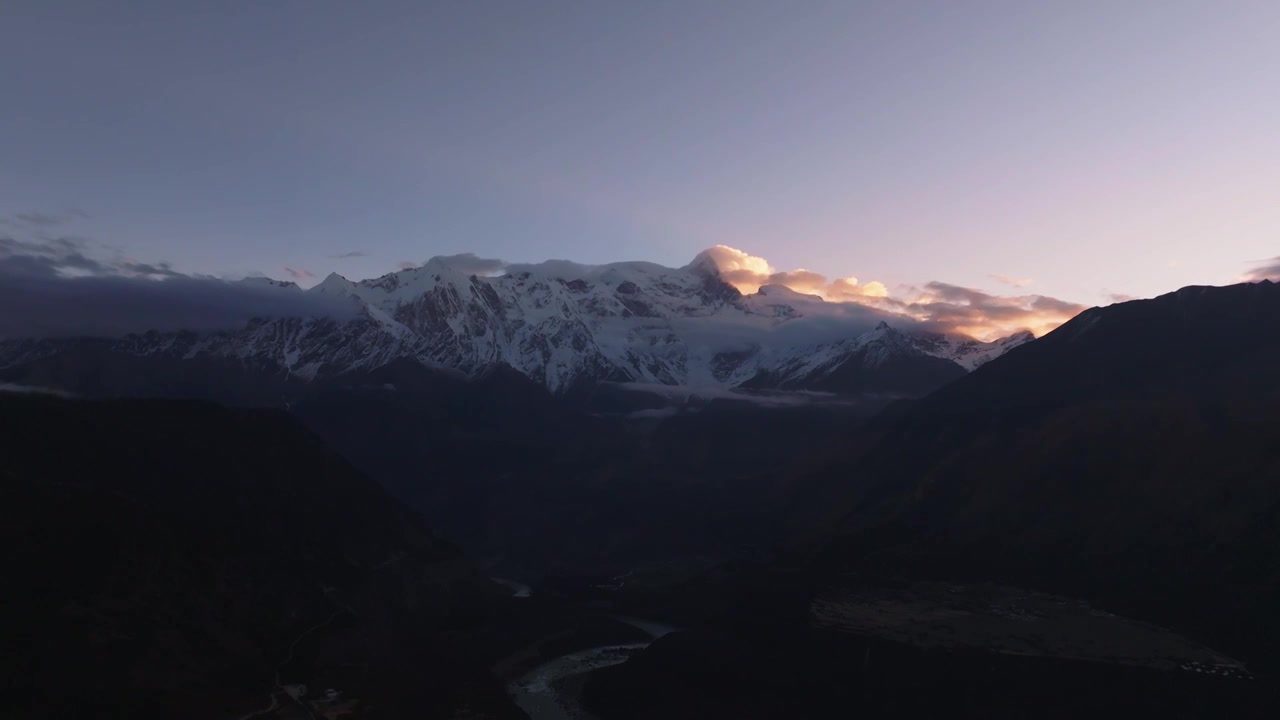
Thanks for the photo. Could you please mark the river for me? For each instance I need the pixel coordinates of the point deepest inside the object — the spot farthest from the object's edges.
(518, 589)
(553, 690)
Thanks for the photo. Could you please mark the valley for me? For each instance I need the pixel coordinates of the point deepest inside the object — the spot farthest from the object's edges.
(817, 549)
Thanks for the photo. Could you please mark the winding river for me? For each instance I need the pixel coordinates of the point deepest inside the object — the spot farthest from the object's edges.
(518, 589)
(552, 690)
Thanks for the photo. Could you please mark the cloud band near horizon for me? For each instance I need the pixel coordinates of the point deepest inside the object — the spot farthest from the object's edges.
(938, 306)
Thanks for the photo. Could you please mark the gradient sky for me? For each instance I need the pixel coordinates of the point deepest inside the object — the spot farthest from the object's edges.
(1083, 148)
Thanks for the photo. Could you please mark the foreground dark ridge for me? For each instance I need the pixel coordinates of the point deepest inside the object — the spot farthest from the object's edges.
(171, 553)
(1132, 456)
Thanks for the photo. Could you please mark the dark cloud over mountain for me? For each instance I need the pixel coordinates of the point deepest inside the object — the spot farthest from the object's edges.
(1268, 270)
(465, 263)
(58, 288)
(34, 219)
(472, 264)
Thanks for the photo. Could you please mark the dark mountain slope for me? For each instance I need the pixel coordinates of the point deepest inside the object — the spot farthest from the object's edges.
(164, 557)
(98, 368)
(1132, 456)
(518, 476)
(535, 484)
(1130, 459)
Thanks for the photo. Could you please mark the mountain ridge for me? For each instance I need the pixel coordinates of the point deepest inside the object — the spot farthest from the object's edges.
(565, 325)
(1134, 447)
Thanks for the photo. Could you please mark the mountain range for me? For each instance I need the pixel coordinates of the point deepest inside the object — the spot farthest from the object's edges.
(569, 326)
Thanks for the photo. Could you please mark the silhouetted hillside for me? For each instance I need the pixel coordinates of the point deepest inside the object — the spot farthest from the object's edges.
(1132, 456)
(165, 558)
(536, 484)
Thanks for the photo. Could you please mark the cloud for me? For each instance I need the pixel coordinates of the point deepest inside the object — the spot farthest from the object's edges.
(32, 390)
(952, 308)
(1266, 270)
(57, 288)
(351, 254)
(1010, 281)
(684, 396)
(938, 306)
(817, 322)
(737, 267)
(466, 263)
(471, 264)
(749, 273)
(562, 269)
(33, 219)
(149, 270)
(63, 255)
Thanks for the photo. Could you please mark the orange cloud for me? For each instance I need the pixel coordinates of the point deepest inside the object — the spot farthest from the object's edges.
(749, 273)
(951, 308)
(939, 306)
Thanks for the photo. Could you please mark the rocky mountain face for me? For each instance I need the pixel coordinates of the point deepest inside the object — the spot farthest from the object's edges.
(567, 326)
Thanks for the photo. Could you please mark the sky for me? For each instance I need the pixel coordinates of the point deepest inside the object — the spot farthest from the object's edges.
(1077, 151)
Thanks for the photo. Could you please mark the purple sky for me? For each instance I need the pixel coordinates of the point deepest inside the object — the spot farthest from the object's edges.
(1080, 148)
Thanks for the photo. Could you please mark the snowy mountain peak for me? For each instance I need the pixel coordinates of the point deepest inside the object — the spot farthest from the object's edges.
(704, 263)
(966, 351)
(333, 284)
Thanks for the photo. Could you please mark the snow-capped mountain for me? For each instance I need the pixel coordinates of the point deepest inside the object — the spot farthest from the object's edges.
(564, 325)
(967, 352)
(884, 360)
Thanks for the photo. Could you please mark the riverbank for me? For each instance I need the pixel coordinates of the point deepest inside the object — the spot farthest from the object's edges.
(553, 689)
(926, 651)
